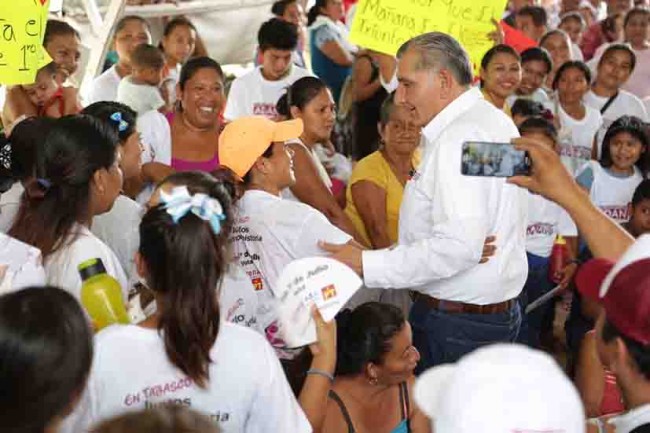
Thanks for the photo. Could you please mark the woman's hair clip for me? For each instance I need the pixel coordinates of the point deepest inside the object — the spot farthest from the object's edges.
(44, 183)
(122, 124)
(179, 202)
(5, 156)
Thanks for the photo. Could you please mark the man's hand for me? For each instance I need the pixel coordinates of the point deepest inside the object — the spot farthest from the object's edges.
(347, 254)
(489, 249)
(498, 35)
(566, 274)
(548, 176)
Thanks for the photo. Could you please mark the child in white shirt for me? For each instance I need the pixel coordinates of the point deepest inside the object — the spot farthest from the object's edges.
(141, 90)
(546, 220)
(611, 181)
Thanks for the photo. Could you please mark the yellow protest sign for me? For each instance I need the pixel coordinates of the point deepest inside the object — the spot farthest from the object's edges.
(384, 25)
(22, 24)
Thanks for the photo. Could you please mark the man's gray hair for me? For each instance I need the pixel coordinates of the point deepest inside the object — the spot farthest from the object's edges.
(441, 51)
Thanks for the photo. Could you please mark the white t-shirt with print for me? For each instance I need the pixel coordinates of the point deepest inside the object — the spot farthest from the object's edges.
(247, 391)
(546, 220)
(61, 266)
(610, 193)
(625, 104)
(253, 95)
(104, 87)
(140, 97)
(269, 233)
(119, 228)
(576, 137)
(237, 299)
(9, 205)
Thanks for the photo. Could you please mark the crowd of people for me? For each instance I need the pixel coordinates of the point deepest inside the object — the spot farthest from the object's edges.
(195, 191)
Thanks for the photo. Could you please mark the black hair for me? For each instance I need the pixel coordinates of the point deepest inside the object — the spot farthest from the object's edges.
(161, 419)
(303, 91)
(47, 351)
(573, 16)
(280, 6)
(527, 107)
(192, 66)
(201, 182)
(179, 21)
(536, 13)
(537, 54)
(637, 129)
(104, 110)
(185, 264)
(540, 125)
(76, 147)
(386, 109)
(639, 353)
(282, 106)
(27, 143)
(55, 28)
(314, 11)
(632, 12)
(642, 192)
(277, 34)
(248, 177)
(121, 24)
(498, 49)
(619, 47)
(572, 64)
(364, 335)
(148, 56)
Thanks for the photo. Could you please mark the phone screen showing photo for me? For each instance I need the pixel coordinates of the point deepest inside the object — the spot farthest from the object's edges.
(493, 160)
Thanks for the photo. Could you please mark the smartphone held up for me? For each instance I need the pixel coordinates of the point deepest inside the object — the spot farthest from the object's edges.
(486, 159)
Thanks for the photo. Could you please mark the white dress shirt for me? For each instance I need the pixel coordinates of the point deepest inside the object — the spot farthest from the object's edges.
(445, 216)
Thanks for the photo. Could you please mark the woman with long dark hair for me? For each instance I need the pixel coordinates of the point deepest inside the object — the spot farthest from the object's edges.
(185, 354)
(78, 177)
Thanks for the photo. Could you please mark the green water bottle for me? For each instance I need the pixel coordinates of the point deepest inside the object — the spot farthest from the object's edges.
(101, 295)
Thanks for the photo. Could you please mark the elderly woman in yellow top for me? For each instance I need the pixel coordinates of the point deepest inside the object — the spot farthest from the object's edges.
(375, 190)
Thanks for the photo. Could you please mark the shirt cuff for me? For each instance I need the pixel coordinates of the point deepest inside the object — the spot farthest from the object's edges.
(374, 266)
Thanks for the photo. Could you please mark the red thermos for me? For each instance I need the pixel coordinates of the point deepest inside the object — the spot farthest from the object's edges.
(559, 259)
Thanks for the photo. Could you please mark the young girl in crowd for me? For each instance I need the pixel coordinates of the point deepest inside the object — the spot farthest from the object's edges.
(573, 24)
(578, 122)
(374, 375)
(500, 75)
(78, 177)
(130, 31)
(185, 354)
(536, 65)
(27, 143)
(624, 163)
(546, 220)
(309, 99)
(635, 31)
(606, 94)
(118, 227)
(47, 352)
(178, 44)
(558, 45)
(45, 97)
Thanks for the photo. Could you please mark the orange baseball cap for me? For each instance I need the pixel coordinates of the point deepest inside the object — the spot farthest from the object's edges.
(244, 140)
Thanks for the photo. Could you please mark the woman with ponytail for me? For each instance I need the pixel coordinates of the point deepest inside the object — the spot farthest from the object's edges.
(185, 354)
(374, 373)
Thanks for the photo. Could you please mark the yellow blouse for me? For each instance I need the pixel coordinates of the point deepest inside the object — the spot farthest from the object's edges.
(374, 168)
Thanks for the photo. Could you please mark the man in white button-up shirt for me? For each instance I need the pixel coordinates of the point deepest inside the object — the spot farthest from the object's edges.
(445, 216)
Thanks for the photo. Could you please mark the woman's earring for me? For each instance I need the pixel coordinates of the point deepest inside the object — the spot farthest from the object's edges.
(372, 381)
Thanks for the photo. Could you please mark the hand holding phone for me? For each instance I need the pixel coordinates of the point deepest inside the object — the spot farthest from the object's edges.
(486, 159)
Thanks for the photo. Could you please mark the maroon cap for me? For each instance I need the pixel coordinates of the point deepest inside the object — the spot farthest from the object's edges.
(626, 294)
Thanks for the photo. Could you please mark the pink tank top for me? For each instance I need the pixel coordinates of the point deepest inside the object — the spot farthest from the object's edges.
(184, 165)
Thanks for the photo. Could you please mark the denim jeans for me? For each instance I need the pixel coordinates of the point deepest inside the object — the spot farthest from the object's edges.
(537, 284)
(442, 337)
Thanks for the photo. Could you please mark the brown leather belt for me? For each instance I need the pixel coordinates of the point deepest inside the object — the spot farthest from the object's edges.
(461, 307)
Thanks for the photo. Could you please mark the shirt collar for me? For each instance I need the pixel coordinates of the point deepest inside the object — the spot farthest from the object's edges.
(450, 113)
